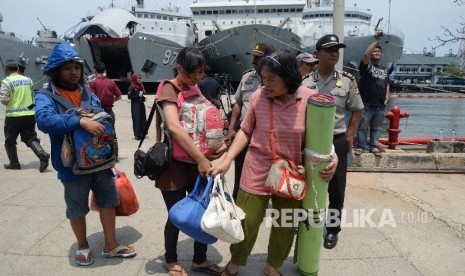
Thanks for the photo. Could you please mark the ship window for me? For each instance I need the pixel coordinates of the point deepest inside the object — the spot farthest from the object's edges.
(248, 11)
(260, 10)
(259, 22)
(231, 22)
(208, 33)
(240, 11)
(221, 12)
(228, 11)
(292, 10)
(202, 12)
(139, 15)
(279, 10)
(244, 22)
(171, 18)
(209, 12)
(165, 17)
(300, 10)
(234, 11)
(286, 10)
(152, 16)
(215, 12)
(266, 10)
(158, 16)
(146, 15)
(195, 13)
(239, 22)
(273, 10)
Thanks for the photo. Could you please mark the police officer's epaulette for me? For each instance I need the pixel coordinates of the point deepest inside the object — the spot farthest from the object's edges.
(247, 71)
(349, 75)
(352, 79)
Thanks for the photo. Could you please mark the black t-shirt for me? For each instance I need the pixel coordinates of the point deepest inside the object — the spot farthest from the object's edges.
(374, 79)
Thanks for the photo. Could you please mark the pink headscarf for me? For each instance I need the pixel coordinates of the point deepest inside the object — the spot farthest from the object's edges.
(135, 83)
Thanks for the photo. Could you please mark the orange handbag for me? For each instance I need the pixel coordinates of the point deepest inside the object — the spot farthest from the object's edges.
(285, 178)
(128, 203)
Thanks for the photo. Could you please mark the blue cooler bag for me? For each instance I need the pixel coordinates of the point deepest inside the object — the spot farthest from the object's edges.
(187, 213)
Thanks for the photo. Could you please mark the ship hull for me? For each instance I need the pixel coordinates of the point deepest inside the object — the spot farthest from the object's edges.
(153, 56)
(391, 45)
(31, 56)
(225, 51)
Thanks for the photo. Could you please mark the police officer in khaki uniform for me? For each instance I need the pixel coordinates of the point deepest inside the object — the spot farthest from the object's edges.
(250, 81)
(343, 87)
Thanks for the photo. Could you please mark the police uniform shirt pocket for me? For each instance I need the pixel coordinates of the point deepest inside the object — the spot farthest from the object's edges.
(338, 92)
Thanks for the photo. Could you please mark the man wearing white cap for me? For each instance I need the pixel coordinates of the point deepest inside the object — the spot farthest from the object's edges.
(307, 64)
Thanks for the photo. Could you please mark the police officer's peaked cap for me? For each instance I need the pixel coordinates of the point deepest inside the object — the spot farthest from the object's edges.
(261, 49)
(329, 41)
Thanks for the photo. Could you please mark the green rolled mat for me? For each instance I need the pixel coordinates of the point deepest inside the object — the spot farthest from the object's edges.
(319, 125)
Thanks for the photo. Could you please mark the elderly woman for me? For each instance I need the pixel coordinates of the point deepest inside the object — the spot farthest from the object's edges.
(281, 86)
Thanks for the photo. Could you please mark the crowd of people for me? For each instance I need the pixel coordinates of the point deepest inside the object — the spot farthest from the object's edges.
(275, 88)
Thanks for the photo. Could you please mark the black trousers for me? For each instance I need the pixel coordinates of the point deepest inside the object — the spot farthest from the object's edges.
(172, 233)
(139, 119)
(238, 164)
(337, 185)
(24, 126)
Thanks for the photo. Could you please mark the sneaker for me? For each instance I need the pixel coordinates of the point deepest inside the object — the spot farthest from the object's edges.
(358, 151)
(376, 151)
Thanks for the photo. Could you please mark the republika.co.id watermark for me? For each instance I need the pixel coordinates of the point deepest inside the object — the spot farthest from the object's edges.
(330, 217)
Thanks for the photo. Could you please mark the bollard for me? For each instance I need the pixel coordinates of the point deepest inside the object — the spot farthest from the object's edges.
(394, 116)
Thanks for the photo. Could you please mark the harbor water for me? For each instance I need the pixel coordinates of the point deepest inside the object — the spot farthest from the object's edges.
(428, 115)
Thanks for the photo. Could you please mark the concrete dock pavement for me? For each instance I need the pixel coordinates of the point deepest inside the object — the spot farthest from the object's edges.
(395, 223)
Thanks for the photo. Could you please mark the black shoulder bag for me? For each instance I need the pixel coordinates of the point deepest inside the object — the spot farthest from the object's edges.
(158, 157)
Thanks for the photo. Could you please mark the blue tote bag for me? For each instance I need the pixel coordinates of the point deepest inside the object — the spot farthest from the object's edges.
(187, 213)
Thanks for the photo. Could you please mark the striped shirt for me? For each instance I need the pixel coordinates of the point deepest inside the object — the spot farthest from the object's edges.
(289, 128)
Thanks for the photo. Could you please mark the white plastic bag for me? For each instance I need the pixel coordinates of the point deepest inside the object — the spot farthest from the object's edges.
(222, 218)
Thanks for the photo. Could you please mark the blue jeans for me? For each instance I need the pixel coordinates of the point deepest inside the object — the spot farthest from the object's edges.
(372, 118)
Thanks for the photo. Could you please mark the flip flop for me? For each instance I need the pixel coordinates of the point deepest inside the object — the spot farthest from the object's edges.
(226, 271)
(176, 271)
(266, 274)
(121, 251)
(208, 269)
(87, 260)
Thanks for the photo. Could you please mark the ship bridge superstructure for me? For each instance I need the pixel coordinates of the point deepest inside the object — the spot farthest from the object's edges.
(213, 17)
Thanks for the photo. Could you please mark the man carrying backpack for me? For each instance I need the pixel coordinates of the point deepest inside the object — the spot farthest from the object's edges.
(65, 70)
(16, 94)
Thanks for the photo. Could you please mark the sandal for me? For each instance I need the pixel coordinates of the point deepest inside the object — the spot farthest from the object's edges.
(226, 271)
(121, 251)
(174, 271)
(212, 269)
(266, 274)
(83, 257)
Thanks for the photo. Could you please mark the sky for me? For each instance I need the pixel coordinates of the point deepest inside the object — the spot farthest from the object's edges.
(419, 20)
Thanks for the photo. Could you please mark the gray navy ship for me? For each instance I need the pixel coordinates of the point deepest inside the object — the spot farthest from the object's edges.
(137, 40)
(227, 30)
(33, 55)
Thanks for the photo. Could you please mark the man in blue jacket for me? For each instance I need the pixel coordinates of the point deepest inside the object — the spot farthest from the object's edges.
(65, 70)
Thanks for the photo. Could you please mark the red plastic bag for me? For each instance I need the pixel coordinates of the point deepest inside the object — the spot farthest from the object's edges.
(127, 197)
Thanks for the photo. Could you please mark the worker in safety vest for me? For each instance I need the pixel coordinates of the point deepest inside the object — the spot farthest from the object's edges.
(17, 95)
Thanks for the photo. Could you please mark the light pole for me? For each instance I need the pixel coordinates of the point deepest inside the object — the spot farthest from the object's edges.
(389, 17)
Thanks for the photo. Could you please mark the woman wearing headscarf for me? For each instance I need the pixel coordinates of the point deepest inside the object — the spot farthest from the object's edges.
(136, 94)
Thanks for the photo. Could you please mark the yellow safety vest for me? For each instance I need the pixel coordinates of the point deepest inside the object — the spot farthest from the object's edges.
(21, 96)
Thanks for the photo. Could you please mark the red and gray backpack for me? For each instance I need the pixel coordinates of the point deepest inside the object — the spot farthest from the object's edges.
(200, 119)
